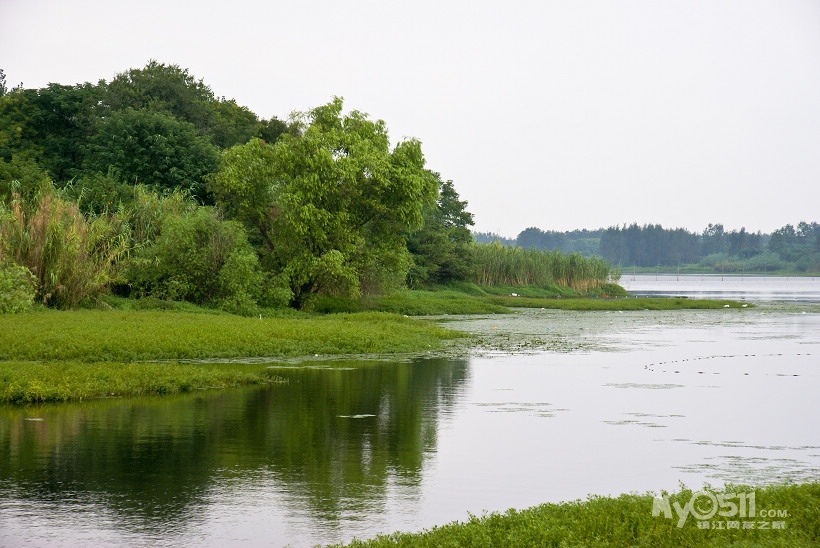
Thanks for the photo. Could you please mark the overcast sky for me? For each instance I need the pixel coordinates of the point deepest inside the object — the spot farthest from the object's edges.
(558, 115)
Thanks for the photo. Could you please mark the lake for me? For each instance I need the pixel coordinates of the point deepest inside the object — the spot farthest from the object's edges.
(718, 286)
(588, 403)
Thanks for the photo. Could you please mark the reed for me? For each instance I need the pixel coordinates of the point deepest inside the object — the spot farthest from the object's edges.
(516, 266)
(71, 257)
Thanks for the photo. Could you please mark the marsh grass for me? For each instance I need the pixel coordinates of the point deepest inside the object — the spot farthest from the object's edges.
(128, 336)
(471, 299)
(516, 266)
(72, 258)
(51, 355)
(624, 521)
(45, 382)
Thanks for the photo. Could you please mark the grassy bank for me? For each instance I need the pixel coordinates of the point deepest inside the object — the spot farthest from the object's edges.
(127, 336)
(23, 382)
(48, 355)
(472, 299)
(627, 521)
(52, 355)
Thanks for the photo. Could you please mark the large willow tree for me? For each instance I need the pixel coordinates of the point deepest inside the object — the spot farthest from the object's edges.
(330, 206)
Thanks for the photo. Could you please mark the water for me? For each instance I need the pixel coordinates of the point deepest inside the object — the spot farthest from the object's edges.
(635, 401)
(717, 286)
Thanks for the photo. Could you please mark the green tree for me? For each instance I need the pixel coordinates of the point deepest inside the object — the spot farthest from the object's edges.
(172, 90)
(152, 148)
(231, 124)
(161, 88)
(331, 203)
(49, 125)
(442, 248)
(22, 178)
(270, 130)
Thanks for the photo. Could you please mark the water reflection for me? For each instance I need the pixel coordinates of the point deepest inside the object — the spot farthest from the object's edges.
(332, 439)
(639, 400)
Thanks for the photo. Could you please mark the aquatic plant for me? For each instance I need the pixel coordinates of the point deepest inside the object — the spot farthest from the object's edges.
(516, 266)
(627, 520)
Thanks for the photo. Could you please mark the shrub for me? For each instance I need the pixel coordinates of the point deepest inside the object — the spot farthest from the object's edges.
(199, 257)
(17, 288)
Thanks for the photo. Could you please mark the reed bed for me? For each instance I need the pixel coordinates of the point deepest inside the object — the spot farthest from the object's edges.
(516, 266)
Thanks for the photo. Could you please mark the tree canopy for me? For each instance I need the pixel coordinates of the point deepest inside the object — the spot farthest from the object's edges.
(332, 205)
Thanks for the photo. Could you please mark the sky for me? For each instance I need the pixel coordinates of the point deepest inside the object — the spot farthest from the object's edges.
(558, 115)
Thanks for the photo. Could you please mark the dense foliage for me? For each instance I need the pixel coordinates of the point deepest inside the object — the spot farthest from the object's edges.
(150, 185)
(331, 207)
(516, 266)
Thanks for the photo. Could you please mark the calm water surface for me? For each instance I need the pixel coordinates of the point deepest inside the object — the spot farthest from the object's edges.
(717, 286)
(637, 401)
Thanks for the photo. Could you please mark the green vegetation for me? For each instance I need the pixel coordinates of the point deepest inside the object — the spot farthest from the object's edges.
(786, 251)
(625, 521)
(70, 256)
(151, 186)
(515, 266)
(415, 302)
(26, 382)
(126, 336)
(467, 298)
(16, 288)
(52, 355)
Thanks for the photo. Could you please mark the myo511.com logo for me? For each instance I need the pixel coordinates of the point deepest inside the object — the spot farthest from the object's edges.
(739, 509)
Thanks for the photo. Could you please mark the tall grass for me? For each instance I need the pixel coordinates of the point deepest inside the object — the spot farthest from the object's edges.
(71, 257)
(516, 266)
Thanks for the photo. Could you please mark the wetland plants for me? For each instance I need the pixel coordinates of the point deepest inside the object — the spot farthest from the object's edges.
(785, 515)
(51, 355)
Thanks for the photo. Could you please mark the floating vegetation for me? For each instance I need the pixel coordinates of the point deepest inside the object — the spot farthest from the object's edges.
(644, 386)
(542, 409)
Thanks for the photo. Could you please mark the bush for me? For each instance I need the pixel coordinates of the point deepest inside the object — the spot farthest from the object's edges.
(199, 258)
(17, 288)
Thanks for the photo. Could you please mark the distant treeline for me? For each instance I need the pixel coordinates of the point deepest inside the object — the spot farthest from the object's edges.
(794, 248)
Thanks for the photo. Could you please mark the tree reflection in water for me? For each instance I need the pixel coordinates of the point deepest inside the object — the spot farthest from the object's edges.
(333, 437)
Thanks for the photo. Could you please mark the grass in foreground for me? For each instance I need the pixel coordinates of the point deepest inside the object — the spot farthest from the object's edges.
(627, 521)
